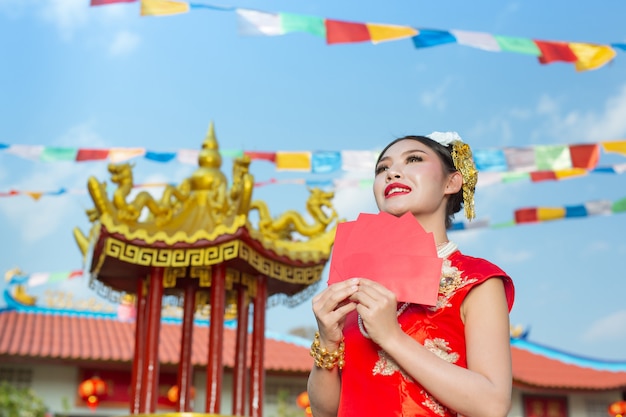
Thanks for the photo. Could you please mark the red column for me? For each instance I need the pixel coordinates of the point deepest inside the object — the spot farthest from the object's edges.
(257, 367)
(185, 368)
(239, 372)
(138, 357)
(149, 389)
(215, 370)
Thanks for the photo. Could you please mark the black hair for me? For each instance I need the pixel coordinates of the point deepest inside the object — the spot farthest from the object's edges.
(455, 202)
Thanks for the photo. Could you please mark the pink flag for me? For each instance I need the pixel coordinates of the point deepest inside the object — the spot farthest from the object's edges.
(104, 2)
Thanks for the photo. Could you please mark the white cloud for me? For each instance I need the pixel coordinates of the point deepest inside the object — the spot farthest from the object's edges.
(608, 328)
(124, 43)
(591, 125)
(436, 98)
(66, 15)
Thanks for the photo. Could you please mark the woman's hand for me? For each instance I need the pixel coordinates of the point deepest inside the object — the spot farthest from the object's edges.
(331, 307)
(378, 309)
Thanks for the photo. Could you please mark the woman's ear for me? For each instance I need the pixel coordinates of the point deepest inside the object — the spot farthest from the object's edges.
(455, 182)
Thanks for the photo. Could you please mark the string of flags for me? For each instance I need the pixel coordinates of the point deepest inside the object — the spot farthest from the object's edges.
(584, 55)
(529, 215)
(485, 179)
(536, 158)
(504, 165)
(41, 278)
(522, 216)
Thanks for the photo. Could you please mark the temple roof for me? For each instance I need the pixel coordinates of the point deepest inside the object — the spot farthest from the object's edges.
(201, 222)
(100, 340)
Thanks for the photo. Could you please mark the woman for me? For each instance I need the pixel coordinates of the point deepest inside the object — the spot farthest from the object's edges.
(375, 357)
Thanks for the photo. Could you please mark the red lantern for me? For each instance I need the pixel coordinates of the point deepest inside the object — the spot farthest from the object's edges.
(92, 390)
(617, 409)
(303, 402)
(172, 394)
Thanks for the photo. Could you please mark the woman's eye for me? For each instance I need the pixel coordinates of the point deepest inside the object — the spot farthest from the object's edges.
(414, 158)
(380, 169)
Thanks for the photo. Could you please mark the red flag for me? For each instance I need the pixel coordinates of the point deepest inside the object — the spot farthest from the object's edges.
(104, 2)
(526, 215)
(555, 51)
(345, 32)
(538, 176)
(585, 155)
(92, 154)
(263, 156)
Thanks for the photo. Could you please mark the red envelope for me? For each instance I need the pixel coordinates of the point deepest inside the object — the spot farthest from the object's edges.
(394, 251)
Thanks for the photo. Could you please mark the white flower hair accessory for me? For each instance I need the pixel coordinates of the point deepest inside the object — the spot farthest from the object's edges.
(445, 138)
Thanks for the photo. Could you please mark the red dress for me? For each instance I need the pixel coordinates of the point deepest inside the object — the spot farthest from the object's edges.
(374, 385)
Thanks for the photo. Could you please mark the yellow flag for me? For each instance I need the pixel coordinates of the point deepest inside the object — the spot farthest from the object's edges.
(549, 213)
(562, 174)
(162, 7)
(293, 161)
(591, 56)
(381, 33)
(34, 195)
(617, 146)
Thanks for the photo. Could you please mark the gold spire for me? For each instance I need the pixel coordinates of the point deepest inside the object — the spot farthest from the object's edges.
(208, 175)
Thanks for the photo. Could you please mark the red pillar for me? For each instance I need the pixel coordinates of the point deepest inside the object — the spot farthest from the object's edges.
(239, 371)
(138, 358)
(185, 368)
(215, 370)
(257, 367)
(149, 389)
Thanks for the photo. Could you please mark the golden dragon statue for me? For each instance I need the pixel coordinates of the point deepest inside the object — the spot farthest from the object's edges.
(283, 228)
(122, 175)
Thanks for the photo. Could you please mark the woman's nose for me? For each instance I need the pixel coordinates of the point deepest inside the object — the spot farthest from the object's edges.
(393, 172)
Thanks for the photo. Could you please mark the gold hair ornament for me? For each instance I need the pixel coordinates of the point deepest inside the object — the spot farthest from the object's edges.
(326, 359)
(464, 163)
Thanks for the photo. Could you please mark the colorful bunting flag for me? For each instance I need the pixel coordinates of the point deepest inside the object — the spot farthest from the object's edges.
(299, 23)
(163, 7)
(338, 31)
(517, 45)
(381, 33)
(591, 56)
(478, 40)
(617, 147)
(105, 2)
(253, 22)
(293, 161)
(554, 52)
(426, 38)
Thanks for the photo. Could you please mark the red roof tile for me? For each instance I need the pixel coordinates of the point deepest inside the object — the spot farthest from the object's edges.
(65, 337)
(50, 336)
(532, 369)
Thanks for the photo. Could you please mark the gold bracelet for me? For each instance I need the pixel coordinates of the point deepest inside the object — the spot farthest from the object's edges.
(325, 359)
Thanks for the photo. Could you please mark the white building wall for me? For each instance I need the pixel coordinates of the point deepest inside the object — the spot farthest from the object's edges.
(57, 385)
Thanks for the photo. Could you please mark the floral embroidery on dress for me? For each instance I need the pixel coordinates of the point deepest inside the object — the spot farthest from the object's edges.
(451, 281)
(386, 366)
(432, 404)
(441, 348)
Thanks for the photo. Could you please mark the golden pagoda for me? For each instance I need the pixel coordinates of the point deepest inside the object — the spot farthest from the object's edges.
(198, 241)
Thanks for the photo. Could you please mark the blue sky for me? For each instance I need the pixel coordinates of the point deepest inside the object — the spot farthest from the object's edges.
(105, 77)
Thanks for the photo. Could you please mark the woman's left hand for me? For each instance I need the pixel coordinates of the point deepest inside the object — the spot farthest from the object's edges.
(378, 309)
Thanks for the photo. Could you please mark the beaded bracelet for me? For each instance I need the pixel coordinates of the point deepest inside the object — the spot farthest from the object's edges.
(325, 359)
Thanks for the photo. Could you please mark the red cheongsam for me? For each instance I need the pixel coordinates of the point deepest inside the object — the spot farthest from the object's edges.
(372, 383)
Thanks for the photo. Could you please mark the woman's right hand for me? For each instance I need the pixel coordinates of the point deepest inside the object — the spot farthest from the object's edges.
(331, 307)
